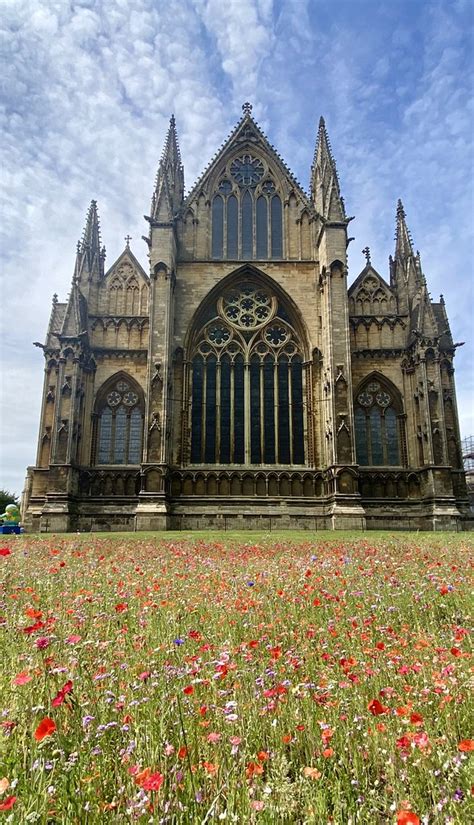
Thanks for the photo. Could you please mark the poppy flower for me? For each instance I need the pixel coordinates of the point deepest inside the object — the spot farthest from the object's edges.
(45, 728)
(376, 708)
(8, 803)
(4, 551)
(61, 694)
(183, 752)
(407, 818)
(466, 745)
(153, 782)
(253, 769)
(188, 690)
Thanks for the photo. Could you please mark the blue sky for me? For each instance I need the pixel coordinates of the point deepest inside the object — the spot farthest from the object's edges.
(89, 88)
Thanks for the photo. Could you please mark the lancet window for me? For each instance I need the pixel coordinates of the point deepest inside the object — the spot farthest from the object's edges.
(379, 425)
(246, 383)
(247, 216)
(118, 423)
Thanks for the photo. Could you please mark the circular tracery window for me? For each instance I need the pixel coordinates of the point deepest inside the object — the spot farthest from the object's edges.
(122, 394)
(248, 307)
(247, 170)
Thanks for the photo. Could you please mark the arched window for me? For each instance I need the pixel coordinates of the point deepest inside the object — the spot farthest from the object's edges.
(379, 424)
(247, 383)
(217, 227)
(247, 215)
(118, 423)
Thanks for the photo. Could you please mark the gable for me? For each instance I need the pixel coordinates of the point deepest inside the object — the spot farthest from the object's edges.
(124, 288)
(247, 141)
(371, 295)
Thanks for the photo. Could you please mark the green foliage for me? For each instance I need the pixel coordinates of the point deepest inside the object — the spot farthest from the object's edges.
(8, 498)
(250, 679)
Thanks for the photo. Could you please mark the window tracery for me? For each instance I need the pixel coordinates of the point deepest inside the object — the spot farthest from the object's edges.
(246, 392)
(247, 214)
(379, 429)
(118, 423)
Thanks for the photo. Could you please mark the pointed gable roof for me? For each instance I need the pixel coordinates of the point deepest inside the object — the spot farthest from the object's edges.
(127, 256)
(368, 270)
(245, 135)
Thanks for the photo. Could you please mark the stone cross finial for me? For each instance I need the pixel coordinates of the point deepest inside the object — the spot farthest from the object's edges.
(247, 108)
(366, 252)
(128, 238)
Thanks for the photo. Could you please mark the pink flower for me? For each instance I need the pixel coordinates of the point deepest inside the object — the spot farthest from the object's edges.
(42, 642)
(213, 738)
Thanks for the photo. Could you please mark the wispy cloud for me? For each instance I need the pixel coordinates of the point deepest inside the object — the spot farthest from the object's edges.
(89, 90)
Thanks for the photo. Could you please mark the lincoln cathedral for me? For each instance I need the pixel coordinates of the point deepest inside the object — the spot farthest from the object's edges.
(239, 382)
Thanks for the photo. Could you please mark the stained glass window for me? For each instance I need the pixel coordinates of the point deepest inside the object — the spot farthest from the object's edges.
(244, 218)
(119, 424)
(378, 428)
(247, 383)
(247, 226)
(217, 227)
(277, 242)
(232, 228)
(262, 228)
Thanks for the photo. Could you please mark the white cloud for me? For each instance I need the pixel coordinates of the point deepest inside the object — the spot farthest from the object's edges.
(89, 90)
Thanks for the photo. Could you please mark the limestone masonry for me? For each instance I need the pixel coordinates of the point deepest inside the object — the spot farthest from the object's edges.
(239, 383)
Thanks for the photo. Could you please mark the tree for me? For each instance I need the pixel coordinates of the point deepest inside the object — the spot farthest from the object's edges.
(8, 498)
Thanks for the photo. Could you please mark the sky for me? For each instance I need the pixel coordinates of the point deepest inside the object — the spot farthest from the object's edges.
(88, 90)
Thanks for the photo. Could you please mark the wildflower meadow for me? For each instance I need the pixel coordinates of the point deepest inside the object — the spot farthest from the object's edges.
(306, 678)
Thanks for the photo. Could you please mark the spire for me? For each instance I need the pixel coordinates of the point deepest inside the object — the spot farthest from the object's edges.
(89, 253)
(325, 191)
(407, 278)
(169, 184)
(404, 243)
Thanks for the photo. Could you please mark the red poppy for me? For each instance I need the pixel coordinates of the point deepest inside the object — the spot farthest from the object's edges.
(119, 608)
(253, 769)
(45, 728)
(8, 803)
(416, 719)
(61, 694)
(466, 745)
(4, 551)
(188, 690)
(153, 782)
(407, 818)
(376, 708)
(183, 751)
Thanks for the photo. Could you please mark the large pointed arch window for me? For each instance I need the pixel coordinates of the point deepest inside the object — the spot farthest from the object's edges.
(379, 424)
(118, 423)
(247, 214)
(246, 383)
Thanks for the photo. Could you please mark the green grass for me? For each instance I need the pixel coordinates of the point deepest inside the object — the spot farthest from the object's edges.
(239, 671)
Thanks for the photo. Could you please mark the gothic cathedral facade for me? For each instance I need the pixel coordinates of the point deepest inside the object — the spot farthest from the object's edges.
(239, 383)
